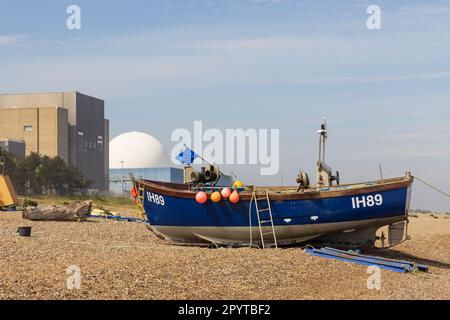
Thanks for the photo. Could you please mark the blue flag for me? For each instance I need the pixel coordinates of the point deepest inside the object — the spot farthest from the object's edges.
(187, 156)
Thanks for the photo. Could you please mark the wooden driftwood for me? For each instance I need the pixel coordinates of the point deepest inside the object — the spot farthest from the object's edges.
(77, 212)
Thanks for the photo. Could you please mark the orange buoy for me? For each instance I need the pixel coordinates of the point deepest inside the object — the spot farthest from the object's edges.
(135, 194)
(201, 197)
(216, 197)
(234, 197)
(226, 192)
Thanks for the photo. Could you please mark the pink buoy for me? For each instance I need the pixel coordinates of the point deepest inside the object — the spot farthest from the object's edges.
(201, 197)
(226, 192)
(234, 197)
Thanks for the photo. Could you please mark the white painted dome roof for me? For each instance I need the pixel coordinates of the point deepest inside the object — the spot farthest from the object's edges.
(137, 150)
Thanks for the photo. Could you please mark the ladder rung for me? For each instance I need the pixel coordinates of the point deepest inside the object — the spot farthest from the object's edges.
(264, 197)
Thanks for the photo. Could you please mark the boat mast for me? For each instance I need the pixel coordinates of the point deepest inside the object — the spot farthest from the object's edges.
(322, 140)
(325, 177)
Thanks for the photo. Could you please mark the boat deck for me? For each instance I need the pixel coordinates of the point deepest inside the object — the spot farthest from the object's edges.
(285, 193)
(294, 189)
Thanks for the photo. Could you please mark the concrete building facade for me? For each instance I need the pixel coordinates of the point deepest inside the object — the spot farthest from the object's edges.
(106, 152)
(87, 129)
(16, 147)
(44, 130)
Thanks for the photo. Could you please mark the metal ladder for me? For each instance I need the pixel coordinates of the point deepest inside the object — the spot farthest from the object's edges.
(140, 203)
(262, 222)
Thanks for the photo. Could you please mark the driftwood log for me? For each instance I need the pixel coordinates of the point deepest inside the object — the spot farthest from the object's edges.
(76, 212)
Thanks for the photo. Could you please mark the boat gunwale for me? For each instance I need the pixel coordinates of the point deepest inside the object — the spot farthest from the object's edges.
(181, 191)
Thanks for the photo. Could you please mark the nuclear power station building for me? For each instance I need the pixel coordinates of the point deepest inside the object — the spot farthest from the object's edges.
(69, 125)
(141, 155)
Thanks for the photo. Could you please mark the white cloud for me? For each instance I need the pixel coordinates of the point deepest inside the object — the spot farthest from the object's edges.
(403, 152)
(166, 61)
(416, 136)
(383, 78)
(262, 44)
(269, 1)
(426, 10)
(12, 40)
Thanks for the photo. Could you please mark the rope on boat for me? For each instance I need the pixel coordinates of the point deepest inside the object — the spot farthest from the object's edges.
(250, 221)
(433, 187)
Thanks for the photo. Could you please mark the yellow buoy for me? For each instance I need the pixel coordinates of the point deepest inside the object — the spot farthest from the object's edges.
(238, 184)
(216, 197)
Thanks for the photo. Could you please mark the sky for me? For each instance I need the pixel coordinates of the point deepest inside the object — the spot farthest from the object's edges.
(263, 64)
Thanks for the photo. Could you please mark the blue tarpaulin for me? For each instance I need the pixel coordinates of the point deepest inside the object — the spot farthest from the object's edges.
(401, 266)
(118, 218)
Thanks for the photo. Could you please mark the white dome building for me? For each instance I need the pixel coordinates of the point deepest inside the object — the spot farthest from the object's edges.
(141, 155)
(137, 150)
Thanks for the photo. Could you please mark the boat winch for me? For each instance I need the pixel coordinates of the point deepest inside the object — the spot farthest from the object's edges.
(207, 175)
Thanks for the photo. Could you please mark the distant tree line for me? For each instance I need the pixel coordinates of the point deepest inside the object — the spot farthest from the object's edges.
(43, 175)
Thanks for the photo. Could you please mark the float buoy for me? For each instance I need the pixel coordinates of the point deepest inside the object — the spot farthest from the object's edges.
(234, 197)
(238, 184)
(226, 192)
(216, 197)
(201, 197)
(135, 193)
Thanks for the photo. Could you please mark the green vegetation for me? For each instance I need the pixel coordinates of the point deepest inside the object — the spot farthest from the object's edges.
(43, 175)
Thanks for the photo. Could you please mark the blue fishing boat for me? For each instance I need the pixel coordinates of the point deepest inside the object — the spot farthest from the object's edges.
(275, 216)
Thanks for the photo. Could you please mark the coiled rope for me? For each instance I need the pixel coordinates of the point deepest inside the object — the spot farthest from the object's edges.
(432, 187)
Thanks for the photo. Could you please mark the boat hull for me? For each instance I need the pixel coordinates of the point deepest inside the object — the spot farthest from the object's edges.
(296, 218)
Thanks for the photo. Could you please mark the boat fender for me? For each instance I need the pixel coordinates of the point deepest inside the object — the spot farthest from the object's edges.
(234, 197)
(201, 197)
(238, 184)
(216, 197)
(226, 193)
(134, 193)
